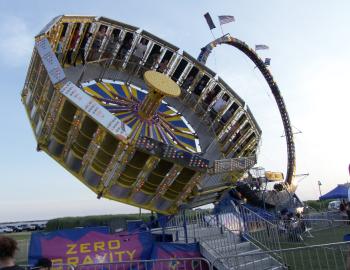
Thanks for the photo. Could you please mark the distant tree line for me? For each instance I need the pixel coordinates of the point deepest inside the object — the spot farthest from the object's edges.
(318, 205)
(112, 221)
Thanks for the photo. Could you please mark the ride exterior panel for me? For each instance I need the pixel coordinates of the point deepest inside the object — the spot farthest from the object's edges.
(134, 119)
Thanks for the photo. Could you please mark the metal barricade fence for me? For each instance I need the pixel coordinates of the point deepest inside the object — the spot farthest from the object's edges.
(21, 255)
(316, 231)
(53, 267)
(219, 232)
(317, 257)
(194, 225)
(159, 264)
(324, 224)
(259, 230)
(324, 215)
(318, 224)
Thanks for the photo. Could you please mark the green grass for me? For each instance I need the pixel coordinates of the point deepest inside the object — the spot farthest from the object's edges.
(325, 236)
(328, 235)
(330, 257)
(318, 258)
(20, 235)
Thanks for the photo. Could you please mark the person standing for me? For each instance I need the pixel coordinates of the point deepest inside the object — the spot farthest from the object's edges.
(347, 209)
(59, 49)
(137, 55)
(187, 83)
(111, 45)
(342, 210)
(8, 248)
(163, 66)
(97, 43)
(125, 47)
(139, 51)
(72, 45)
(219, 106)
(81, 51)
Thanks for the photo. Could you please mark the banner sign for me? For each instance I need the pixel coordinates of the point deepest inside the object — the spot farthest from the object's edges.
(164, 250)
(274, 176)
(50, 61)
(89, 246)
(95, 110)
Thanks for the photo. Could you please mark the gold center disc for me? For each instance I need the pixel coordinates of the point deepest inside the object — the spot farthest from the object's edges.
(161, 83)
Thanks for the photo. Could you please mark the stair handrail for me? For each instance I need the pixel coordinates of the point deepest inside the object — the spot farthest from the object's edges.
(269, 239)
(297, 250)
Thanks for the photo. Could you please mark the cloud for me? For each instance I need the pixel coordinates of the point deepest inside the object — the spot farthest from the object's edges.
(16, 43)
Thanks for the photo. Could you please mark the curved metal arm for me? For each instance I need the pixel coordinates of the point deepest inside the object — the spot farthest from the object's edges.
(243, 47)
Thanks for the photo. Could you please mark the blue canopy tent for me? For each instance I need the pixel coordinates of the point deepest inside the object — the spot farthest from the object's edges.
(340, 192)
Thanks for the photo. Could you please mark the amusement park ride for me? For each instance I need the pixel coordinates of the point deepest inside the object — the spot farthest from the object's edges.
(160, 132)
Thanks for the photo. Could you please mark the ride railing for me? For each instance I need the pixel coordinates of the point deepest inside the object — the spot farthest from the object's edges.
(259, 230)
(132, 69)
(192, 226)
(158, 264)
(222, 232)
(332, 256)
(53, 267)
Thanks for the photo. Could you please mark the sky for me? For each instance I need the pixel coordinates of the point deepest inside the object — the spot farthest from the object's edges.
(309, 47)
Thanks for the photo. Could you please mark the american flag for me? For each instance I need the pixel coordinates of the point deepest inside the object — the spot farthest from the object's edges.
(261, 47)
(226, 19)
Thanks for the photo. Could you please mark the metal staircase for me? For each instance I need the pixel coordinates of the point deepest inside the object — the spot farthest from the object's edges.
(232, 239)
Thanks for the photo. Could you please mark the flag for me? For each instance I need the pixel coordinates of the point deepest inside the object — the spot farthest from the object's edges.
(267, 61)
(226, 19)
(209, 21)
(261, 47)
(349, 169)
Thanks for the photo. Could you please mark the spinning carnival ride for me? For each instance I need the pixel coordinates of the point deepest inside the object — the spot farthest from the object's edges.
(158, 132)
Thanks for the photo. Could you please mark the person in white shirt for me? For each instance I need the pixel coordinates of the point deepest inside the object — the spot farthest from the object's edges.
(137, 55)
(220, 103)
(140, 50)
(219, 106)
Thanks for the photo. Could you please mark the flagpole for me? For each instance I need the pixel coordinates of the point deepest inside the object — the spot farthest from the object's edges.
(222, 31)
(211, 31)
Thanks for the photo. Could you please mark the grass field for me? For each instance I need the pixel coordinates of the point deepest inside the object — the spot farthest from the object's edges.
(329, 235)
(331, 257)
(20, 235)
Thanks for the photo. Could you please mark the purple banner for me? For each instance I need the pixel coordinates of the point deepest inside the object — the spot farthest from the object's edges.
(88, 246)
(178, 253)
